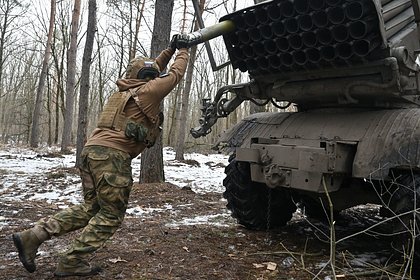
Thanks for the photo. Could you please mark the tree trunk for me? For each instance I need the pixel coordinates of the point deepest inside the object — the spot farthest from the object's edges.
(40, 90)
(180, 144)
(152, 159)
(174, 116)
(71, 79)
(84, 81)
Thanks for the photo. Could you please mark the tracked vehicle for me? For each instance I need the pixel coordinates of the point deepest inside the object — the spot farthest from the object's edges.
(349, 67)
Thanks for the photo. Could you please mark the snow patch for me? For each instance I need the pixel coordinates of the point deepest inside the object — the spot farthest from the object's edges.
(218, 220)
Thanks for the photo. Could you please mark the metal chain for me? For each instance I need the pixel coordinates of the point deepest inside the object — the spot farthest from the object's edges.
(267, 238)
(269, 209)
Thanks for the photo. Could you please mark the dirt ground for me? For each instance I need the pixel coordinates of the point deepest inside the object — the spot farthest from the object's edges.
(159, 246)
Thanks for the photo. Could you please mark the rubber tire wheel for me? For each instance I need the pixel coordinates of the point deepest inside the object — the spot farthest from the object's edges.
(314, 209)
(403, 201)
(248, 200)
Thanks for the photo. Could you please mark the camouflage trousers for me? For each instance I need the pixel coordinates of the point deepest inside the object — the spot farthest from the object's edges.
(106, 182)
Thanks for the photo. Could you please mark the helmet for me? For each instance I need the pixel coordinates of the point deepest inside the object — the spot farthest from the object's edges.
(142, 68)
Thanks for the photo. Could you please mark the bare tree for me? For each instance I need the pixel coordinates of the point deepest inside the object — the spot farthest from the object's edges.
(152, 159)
(7, 17)
(84, 80)
(71, 78)
(11, 13)
(40, 90)
(180, 145)
(139, 16)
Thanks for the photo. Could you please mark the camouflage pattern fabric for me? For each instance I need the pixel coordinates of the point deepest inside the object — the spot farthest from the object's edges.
(106, 181)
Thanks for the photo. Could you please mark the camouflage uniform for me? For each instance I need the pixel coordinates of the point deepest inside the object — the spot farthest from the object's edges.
(106, 181)
(129, 123)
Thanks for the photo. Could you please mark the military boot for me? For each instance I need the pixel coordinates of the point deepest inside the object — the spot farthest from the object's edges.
(75, 267)
(27, 243)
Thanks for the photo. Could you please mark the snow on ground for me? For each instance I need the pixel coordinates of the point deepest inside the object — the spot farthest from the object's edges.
(28, 175)
(206, 177)
(24, 173)
(19, 167)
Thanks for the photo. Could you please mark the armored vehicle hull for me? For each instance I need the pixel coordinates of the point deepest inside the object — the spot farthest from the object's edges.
(349, 68)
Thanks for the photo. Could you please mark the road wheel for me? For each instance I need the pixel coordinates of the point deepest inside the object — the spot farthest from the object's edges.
(250, 202)
(405, 199)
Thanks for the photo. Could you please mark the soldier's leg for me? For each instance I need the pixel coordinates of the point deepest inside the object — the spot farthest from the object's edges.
(76, 216)
(27, 242)
(113, 192)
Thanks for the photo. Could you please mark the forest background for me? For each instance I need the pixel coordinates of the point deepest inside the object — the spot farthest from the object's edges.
(59, 61)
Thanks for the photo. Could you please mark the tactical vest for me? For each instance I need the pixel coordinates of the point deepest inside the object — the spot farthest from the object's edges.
(113, 117)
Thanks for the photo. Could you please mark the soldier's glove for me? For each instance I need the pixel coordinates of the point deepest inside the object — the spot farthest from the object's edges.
(172, 44)
(182, 41)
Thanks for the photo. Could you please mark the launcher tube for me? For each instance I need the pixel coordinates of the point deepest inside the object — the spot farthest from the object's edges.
(210, 32)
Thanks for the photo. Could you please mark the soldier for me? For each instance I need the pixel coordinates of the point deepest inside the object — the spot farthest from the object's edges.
(129, 123)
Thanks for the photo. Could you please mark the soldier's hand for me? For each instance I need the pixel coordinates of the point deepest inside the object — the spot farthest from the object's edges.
(182, 41)
(173, 42)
